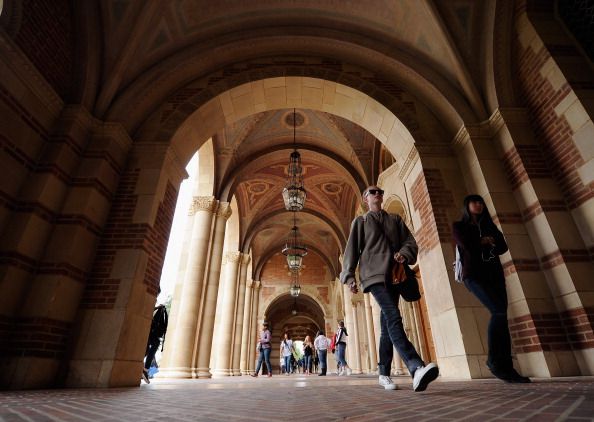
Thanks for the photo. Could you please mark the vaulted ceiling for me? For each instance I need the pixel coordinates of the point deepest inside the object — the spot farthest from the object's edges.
(155, 54)
(150, 65)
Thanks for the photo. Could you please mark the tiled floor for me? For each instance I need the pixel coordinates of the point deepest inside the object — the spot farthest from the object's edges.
(308, 399)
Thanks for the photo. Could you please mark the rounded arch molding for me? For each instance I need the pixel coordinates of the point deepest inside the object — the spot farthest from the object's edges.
(308, 292)
(209, 73)
(334, 98)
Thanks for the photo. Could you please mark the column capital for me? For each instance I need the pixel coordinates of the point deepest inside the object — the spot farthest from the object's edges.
(246, 259)
(224, 210)
(249, 284)
(202, 203)
(232, 256)
(257, 284)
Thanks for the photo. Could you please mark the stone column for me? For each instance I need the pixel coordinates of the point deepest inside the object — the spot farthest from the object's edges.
(245, 332)
(370, 334)
(112, 333)
(254, 329)
(224, 335)
(206, 327)
(238, 329)
(180, 347)
(349, 323)
(356, 364)
(397, 363)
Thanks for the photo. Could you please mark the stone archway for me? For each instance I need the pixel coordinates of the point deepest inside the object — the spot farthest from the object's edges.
(298, 316)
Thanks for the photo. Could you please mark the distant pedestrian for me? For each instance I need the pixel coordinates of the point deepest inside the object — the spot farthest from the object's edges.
(156, 338)
(264, 349)
(307, 355)
(286, 351)
(341, 337)
(480, 243)
(321, 344)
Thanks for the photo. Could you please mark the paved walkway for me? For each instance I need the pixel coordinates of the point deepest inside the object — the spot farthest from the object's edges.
(308, 399)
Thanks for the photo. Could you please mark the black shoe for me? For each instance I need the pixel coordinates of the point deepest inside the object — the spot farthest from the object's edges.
(510, 376)
(517, 378)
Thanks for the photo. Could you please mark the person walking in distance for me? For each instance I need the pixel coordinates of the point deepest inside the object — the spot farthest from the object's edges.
(480, 243)
(264, 349)
(341, 335)
(286, 351)
(307, 355)
(378, 241)
(321, 344)
(156, 338)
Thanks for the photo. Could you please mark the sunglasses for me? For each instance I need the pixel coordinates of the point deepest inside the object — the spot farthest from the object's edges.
(375, 192)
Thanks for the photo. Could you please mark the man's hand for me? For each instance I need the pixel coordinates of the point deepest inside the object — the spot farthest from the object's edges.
(399, 258)
(353, 286)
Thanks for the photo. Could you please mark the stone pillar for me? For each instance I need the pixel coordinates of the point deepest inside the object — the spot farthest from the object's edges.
(356, 355)
(116, 310)
(370, 334)
(349, 323)
(238, 329)
(254, 329)
(180, 347)
(245, 332)
(225, 334)
(206, 327)
(49, 244)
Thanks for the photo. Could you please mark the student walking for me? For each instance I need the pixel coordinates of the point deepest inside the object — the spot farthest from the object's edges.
(480, 243)
(156, 338)
(341, 335)
(321, 344)
(377, 242)
(264, 349)
(286, 351)
(307, 355)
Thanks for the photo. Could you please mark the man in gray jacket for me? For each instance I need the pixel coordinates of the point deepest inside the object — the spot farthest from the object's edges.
(377, 241)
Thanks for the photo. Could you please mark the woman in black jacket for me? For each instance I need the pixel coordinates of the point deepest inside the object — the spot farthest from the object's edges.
(480, 243)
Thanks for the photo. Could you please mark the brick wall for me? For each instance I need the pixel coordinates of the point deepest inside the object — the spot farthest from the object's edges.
(121, 233)
(432, 200)
(552, 132)
(570, 330)
(45, 36)
(276, 271)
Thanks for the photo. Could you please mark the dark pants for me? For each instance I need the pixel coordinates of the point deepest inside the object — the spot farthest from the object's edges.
(392, 332)
(491, 293)
(151, 349)
(322, 357)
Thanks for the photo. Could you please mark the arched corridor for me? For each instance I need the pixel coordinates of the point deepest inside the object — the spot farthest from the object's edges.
(430, 101)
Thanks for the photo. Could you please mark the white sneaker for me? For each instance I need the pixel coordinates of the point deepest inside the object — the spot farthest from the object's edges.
(348, 371)
(386, 382)
(424, 375)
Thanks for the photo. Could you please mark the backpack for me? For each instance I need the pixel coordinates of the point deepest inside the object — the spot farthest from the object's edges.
(333, 343)
(458, 266)
(159, 323)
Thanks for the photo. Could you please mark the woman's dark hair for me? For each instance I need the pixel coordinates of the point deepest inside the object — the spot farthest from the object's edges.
(287, 334)
(484, 218)
(320, 333)
(341, 323)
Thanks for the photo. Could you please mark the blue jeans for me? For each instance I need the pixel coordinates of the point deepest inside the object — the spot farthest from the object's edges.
(340, 354)
(265, 355)
(288, 367)
(492, 294)
(322, 357)
(392, 332)
(307, 363)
